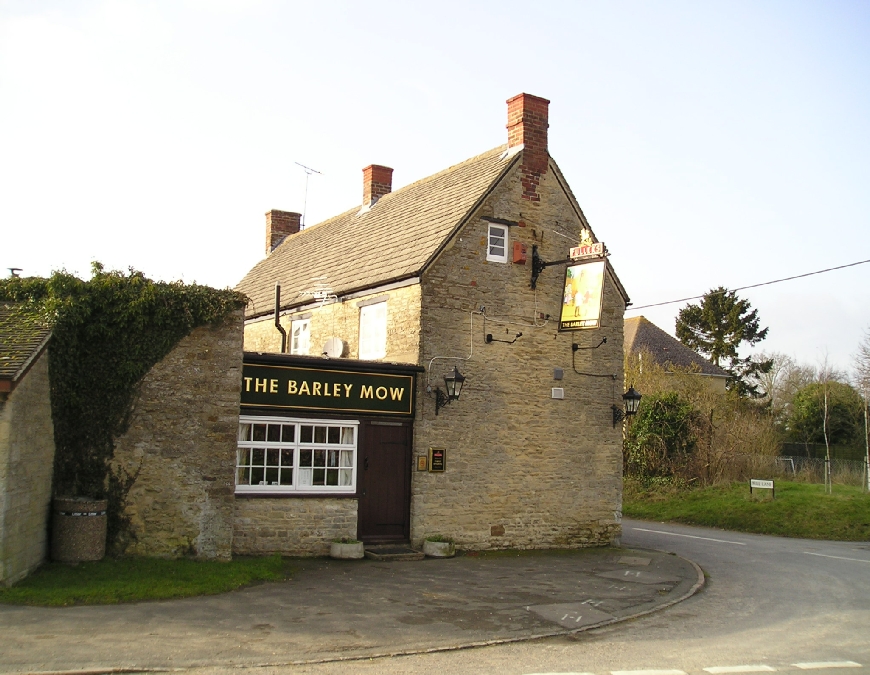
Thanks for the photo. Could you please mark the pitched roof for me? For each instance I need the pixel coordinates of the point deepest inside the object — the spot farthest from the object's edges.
(363, 248)
(22, 337)
(641, 333)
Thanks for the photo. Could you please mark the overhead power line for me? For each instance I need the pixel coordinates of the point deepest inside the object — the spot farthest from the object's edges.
(743, 288)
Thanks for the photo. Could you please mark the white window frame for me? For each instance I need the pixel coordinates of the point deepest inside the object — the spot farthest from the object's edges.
(373, 331)
(494, 234)
(300, 344)
(343, 467)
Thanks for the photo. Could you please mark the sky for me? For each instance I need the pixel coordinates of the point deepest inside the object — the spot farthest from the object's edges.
(709, 144)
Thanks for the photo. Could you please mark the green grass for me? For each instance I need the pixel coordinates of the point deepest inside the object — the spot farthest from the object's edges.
(115, 580)
(799, 510)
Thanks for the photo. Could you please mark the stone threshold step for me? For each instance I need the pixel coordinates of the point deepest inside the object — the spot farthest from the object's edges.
(393, 553)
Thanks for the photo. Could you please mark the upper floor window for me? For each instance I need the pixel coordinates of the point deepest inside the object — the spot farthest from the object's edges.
(497, 243)
(373, 331)
(300, 336)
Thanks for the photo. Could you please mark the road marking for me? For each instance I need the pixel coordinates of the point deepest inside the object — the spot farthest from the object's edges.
(817, 665)
(838, 557)
(647, 672)
(740, 669)
(687, 536)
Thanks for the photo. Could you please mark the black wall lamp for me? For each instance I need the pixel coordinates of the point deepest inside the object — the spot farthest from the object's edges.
(630, 400)
(453, 383)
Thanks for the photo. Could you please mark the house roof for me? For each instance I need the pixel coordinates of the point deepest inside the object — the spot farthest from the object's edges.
(22, 337)
(643, 334)
(392, 240)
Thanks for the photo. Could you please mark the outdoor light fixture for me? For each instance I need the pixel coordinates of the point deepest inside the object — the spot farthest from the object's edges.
(453, 384)
(631, 400)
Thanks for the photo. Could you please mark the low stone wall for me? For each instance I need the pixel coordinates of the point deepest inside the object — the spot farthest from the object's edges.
(292, 526)
(26, 460)
(181, 447)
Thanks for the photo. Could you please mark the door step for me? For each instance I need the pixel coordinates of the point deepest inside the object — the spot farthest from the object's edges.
(393, 552)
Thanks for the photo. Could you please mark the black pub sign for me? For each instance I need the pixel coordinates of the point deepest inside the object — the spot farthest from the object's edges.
(321, 388)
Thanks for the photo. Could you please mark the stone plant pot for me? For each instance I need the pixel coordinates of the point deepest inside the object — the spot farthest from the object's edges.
(352, 551)
(439, 549)
(78, 529)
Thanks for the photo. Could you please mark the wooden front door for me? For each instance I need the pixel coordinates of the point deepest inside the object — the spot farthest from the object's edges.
(385, 494)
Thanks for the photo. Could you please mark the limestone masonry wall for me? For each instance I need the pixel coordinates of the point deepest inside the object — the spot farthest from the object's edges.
(341, 319)
(292, 526)
(181, 446)
(523, 469)
(26, 460)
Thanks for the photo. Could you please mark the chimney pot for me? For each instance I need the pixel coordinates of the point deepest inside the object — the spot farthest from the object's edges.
(279, 226)
(377, 182)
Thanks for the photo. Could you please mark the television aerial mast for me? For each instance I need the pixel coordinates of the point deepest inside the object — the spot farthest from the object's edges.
(308, 171)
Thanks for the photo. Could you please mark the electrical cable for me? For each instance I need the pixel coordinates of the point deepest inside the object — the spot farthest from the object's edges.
(743, 288)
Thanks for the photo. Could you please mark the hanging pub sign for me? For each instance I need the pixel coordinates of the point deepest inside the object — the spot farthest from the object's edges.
(583, 296)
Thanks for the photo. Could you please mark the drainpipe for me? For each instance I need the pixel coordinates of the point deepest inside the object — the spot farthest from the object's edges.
(278, 318)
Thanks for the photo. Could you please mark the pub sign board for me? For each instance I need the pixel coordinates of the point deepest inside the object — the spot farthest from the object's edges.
(583, 296)
(310, 388)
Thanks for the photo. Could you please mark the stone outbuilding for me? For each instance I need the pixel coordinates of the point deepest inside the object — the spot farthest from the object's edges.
(488, 271)
(26, 442)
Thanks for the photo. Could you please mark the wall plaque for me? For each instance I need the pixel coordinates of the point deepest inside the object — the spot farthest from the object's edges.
(436, 459)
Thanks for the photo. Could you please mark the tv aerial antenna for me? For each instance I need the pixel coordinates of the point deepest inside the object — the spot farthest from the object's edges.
(308, 171)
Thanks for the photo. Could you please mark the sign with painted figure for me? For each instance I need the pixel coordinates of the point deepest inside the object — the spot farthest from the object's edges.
(583, 296)
(295, 387)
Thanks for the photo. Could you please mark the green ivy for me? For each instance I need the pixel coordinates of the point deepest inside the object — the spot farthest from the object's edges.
(107, 333)
(663, 435)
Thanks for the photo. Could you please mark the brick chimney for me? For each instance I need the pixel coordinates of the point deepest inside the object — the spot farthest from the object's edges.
(377, 182)
(279, 226)
(527, 126)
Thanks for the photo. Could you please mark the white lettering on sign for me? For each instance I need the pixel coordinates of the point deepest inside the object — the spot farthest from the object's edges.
(587, 251)
(754, 482)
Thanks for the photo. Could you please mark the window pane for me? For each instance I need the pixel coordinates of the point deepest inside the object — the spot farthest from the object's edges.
(320, 458)
(344, 476)
(305, 457)
(346, 458)
(243, 476)
(244, 457)
(272, 455)
(319, 476)
(259, 432)
(271, 476)
(320, 434)
(332, 477)
(257, 476)
(274, 433)
(304, 477)
(347, 435)
(244, 432)
(288, 433)
(333, 435)
(258, 456)
(287, 476)
(306, 433)
(287, 457)
(332, 457)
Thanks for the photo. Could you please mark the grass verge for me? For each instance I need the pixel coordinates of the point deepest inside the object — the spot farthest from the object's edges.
(116, 580)
(799, 510)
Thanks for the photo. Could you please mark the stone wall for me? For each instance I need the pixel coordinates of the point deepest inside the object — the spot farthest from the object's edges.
(181, 447)
(26, 460)
(341, 319)
(292, 526)
(523, 469)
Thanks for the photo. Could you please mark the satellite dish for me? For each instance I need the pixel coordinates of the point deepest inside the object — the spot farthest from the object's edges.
(333, 347)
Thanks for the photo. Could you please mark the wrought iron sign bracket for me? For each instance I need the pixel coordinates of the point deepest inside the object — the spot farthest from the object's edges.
(539, 265)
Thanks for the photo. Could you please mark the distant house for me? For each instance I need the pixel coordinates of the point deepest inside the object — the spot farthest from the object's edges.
(643, 337)
(26, 442)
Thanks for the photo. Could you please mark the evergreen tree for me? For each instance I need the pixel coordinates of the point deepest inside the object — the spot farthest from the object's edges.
(716, 328)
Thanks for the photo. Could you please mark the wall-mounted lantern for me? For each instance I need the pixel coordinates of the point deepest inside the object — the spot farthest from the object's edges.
(630, 401)
(453, 383)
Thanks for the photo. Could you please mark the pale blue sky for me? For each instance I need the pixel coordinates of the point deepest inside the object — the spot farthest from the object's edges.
(709, 143)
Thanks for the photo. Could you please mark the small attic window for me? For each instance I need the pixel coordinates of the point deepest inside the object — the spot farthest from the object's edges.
(497, 243)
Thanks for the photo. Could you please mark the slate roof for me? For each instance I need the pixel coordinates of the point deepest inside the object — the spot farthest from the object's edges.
(641, 333)
(393, 240)
(22, 337)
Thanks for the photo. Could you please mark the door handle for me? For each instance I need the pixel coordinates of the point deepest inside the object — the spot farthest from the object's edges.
(366, 464)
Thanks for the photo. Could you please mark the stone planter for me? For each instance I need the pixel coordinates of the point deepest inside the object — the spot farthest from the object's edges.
(78, 529)
(352, 551)
(439, 549)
